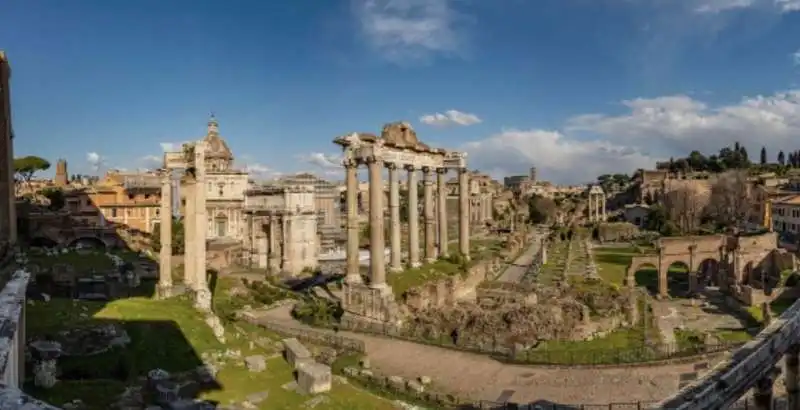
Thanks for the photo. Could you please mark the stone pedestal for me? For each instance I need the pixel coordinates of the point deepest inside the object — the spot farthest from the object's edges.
(45, 356)
(313, 378)
(296, 353)
(376, 304)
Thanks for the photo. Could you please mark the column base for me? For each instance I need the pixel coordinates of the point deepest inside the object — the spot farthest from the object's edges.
(202, 300)
(415, 264)
(353, 279)
(395, 269)
(375, 303)
(165, 291)
(430, 260)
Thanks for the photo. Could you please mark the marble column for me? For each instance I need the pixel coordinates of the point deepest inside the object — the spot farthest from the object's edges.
(189, 257)
(248, 240)
(377, 246)
(262, 251)
(762, 394)
(273, 257)
(165, 224)
(605, 216)
(413, 217)
(427, 195)
(202, 299)
(442, 200)
(792, 377)
(463, 212)
(395, 264)
(351, 200)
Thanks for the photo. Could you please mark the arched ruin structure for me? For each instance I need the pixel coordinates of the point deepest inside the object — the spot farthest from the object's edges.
(736, 263)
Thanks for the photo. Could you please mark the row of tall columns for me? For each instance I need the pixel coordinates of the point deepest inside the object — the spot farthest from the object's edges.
(435, 243)
(195, 227)
(597, 208)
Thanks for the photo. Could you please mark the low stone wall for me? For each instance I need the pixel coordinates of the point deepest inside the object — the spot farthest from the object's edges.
(450, 290)
(307, 335)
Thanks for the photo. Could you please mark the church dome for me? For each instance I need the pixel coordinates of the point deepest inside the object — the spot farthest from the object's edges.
(217, 147)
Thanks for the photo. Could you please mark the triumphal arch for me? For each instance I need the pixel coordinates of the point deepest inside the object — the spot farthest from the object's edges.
(738, 264)
(398, 148)
(191, 164)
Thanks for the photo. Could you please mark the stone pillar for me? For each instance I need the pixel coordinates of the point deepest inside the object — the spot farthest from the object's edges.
(189, 257)
(427, 194)
(463, 212)
(792, 377)
(762, 396)
(605, 216)
(442, 200)
(377, 266)
(263, 251)
(395, 264)
(413, 217)
(202, 300)
(248, 239)
(351, 176)
(165, 224)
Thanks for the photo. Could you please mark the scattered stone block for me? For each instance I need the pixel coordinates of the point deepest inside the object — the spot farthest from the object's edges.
(256, 363)
(365, 363)
(350, 371)
(424, 380)
(296, 353)
(397, 382)
(257, 398)
(415, 386)
(313, 378)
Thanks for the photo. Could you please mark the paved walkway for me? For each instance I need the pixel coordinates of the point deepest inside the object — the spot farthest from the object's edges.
(478, 377)
(517, 270)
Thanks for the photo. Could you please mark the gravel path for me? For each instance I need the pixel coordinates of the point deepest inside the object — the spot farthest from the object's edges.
(517, 270)
(478, 377)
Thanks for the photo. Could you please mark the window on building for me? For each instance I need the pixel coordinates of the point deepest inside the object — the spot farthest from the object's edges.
(113, 212)
(158, 211)
(146, 196)
(130, 197)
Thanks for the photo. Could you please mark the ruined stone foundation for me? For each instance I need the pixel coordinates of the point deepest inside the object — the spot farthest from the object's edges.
(364, 303)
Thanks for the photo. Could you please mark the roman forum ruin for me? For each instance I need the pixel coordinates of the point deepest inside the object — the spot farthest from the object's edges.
(397, 148)
(597, 204)
(191, 161)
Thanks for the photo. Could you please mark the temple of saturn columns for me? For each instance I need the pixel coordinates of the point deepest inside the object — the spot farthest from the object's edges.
(191, 160)
(597, 204)
(397, 148)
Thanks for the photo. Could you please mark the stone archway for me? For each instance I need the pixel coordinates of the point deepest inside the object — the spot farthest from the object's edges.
(679, 278)
(708, 273)
(87, 242)
(644, 273)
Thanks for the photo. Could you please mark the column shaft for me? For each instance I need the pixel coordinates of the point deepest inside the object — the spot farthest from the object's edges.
(463, 213)
(248, 240)
(351, 200)
(395, 265)
(430, 241)
(189, 257)
(165, 224)
(376, 240)
(792, 377)
(442, 186)
(262, 251)
(413, 218)
(201, 227)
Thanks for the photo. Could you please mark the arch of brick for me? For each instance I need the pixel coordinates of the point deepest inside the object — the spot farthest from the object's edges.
(730, 256)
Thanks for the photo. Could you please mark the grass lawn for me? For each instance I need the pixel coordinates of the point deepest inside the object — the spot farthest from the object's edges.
(556, 262)
(620, 346)
(170, 335)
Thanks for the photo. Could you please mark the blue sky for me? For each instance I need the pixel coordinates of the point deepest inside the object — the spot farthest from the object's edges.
(574, 87)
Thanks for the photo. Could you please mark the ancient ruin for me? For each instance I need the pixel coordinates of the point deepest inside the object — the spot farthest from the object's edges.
(191, 161)
(397, 148)
(744, 266)
(597, 204)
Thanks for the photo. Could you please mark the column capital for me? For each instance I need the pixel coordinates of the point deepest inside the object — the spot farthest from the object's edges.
(391, 165)
(426, 169)
(442, 170)
(373, 159)
(462, 171)
(350, 163)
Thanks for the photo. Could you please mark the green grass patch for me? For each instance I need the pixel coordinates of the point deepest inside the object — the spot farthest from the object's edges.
(413, 277)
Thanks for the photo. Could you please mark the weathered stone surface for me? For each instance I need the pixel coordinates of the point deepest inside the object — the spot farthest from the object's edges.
(295, 352)
(313, 378)
(255, 363)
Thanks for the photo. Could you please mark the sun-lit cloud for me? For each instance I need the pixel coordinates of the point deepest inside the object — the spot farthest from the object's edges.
(450, 117)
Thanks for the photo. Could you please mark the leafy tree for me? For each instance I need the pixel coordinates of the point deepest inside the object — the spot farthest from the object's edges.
(177, 237)
(763, 156)
(541, 209)
(781, 158)
(26, 167)
(56, 197)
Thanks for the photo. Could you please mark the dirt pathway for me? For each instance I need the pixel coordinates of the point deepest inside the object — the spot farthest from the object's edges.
(480, 378)
(515, 271)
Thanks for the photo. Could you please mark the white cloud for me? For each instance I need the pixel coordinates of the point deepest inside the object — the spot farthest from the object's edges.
(95, 160)
(408, 30)
(652, 129)
(172, 146)
(450, 117)
(717, 6)
(796, 57)
(151, 161)
(324, 161)
(787, 6)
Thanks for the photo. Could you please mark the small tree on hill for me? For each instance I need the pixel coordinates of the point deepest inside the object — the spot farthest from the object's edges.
(763, 156)
(781, 158)
(730, 201)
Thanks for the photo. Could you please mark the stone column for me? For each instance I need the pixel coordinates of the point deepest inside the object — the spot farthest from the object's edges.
(263, 251)
(442, 200)
(792, 376)
(427, 194)
(395, 264)
(605, 216)
(202, 299)
(413, 217)
(189, 257)
(762, 396)
(463, 212)
(248, 239)
(351, 175)
(377, 266)
(165, 224)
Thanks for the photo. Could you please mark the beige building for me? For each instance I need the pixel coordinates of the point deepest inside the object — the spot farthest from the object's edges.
(786, 214)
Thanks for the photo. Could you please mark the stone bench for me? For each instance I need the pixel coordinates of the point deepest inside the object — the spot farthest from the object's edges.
(313, 378)
(296, 353)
